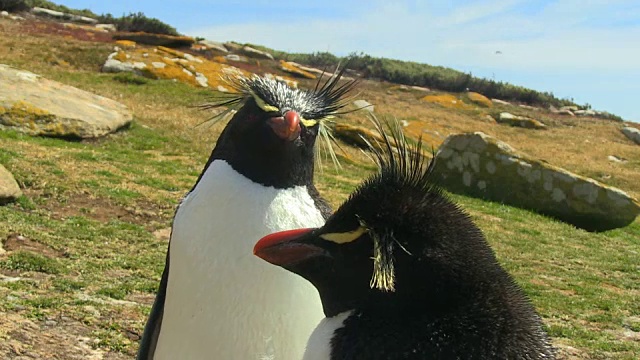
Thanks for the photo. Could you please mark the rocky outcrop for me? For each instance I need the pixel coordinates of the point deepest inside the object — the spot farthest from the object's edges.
(156, 39)
(63, 16)
(34, 105)
(632, 133)
(9, 189)
(481, 166)
(165, 63)
(519, 121)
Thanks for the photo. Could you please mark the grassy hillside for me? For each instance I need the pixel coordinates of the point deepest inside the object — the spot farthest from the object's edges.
(87, 241)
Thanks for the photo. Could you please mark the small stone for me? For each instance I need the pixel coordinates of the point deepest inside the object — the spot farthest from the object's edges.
(363, 104)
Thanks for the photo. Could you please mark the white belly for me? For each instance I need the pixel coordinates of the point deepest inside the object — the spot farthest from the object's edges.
(319, 346)
(222, 301)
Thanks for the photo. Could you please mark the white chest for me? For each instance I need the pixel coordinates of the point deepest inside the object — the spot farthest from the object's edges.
(222, 301)
(319, 345)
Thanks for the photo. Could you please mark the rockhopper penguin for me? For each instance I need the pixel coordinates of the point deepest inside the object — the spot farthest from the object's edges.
(216, 300)
(403, 273)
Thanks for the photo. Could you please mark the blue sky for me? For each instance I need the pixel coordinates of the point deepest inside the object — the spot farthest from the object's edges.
(588, 50)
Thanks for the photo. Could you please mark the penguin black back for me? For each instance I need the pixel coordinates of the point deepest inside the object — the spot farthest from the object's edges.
(411, 274)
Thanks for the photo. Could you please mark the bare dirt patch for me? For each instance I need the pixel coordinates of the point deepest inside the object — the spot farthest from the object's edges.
(15, 241)
(145, 213)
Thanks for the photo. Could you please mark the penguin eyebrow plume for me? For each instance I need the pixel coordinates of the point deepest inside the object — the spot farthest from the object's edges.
(325, 100)
(400, 164)
(384, 275)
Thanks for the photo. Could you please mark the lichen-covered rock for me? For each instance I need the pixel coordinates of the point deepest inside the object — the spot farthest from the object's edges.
(37, 106)
(447, 100)
(520, 121)
(9, 189)
(356, 135)
(481, 166)
(165, 63)
(294, 69)
(155, 39)
(632, 133)
(479, 99)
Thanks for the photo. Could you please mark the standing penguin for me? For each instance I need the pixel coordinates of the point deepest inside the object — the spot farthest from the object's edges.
(403, 273)
(215, 300)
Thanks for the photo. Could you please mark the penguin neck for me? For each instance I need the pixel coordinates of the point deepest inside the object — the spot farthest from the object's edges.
(275, 162)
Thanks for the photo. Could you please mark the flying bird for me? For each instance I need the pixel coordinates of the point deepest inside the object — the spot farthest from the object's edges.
(215, 300)
(404, 273)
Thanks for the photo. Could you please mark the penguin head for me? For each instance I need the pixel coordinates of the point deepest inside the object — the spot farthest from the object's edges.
(396, 236)
(271, 137)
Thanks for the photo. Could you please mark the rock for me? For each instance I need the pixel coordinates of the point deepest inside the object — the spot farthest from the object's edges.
(170, 41)
(255, 53)
(9, 189)
(616, 159)
(520, 121)
(420, 88)
(481, 166)
(165, 63)
(233, 47)
(309, 69)
(214, 45)
(447, 100)
(107, 27)
(363, 104)
(565, 112)
(234, 57)
(584, 113)
(569, 108)
(295, 70)
(63, 16)
(529, 107)
(4, 14)
(632, 133)
(37, 106)
(501, 102)
(479, 99)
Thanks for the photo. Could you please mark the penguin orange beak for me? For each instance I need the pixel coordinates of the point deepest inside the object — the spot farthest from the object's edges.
(287, 127)
(287, 247)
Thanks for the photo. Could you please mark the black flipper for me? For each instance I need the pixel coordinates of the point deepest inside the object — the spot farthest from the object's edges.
(154, 323)
(320, 202)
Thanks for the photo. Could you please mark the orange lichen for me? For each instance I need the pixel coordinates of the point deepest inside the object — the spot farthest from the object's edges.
(479, 99)
(126, 43)
(166, 63)
(219, 59)
(447, 100)
(291, 68)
